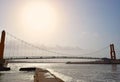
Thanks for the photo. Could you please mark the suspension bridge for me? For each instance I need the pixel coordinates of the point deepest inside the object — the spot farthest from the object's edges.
(12, 48)
(16, 48)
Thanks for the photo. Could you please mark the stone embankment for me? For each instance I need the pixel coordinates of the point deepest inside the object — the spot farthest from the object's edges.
(42, 75)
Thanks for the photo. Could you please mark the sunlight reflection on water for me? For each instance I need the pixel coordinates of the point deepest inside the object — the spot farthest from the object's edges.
(67, 72)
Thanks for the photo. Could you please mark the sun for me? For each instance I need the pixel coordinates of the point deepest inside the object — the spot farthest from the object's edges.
(39, 14)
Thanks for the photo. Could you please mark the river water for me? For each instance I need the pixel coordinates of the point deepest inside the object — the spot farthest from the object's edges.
(67, 72)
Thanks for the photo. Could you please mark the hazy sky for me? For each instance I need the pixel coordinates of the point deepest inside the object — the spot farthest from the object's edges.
(84, 23)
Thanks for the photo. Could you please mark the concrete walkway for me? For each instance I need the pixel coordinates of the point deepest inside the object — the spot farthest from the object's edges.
(42, 75)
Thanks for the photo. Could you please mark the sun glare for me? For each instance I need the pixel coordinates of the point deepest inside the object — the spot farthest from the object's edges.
(40, 15)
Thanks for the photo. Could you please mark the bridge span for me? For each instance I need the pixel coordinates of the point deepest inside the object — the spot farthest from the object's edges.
(8, 45)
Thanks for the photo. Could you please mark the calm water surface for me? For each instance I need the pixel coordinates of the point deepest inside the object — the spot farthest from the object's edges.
(67, 72)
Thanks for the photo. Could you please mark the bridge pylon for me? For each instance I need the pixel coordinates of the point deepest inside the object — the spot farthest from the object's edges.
(112, 52)
(3, 62)
(2, 44)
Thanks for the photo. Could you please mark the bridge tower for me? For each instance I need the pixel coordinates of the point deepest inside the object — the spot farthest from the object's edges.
(112, 52)
(3, 63)
(2, 44)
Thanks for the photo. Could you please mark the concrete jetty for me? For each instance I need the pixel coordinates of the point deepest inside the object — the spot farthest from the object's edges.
(42, 75)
